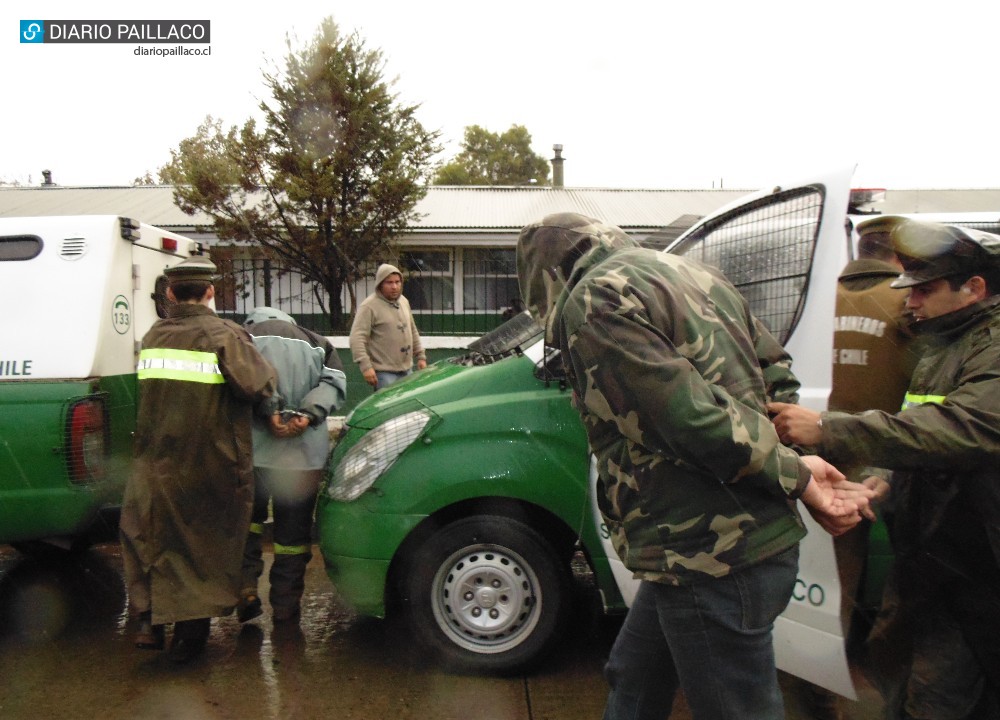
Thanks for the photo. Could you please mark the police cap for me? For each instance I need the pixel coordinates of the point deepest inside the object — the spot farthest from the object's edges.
(929, 251)
(196, 268)
(874, 236)
(879, 224)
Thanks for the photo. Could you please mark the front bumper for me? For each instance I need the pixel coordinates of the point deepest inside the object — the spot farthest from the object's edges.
(358, 546)
(360, 583)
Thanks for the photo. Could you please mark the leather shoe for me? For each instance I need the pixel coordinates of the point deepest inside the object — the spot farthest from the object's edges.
(149, 636)
(248, 608)
(190, 638)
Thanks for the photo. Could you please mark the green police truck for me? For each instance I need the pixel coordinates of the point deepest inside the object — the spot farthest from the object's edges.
(77, 294)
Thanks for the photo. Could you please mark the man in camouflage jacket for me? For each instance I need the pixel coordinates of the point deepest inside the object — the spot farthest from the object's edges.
(671, 374)
(943, 594)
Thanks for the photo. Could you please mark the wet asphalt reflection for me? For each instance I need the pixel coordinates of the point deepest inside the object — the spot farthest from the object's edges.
(66, 652)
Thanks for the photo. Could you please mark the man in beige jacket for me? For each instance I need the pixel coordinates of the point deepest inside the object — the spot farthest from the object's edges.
(384, 339)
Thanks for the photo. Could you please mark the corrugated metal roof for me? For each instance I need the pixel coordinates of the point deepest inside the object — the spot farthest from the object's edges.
(153, 204)
(443, 209)
(940, 201)
(466, 210)
(506, 208)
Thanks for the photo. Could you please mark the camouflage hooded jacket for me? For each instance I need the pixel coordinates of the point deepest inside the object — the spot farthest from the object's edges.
(670, 373)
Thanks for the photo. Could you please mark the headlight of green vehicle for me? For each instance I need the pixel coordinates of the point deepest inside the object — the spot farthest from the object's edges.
(374, 454)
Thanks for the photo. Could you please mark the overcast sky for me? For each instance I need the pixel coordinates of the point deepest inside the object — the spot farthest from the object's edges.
(641, 94)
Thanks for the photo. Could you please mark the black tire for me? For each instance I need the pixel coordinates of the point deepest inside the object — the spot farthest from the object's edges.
(45, 552)
(487, 594)
(41, 598)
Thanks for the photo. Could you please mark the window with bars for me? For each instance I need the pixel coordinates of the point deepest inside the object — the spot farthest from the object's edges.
(489, 279)
(430, 279)
(766, 251)
(452, 291)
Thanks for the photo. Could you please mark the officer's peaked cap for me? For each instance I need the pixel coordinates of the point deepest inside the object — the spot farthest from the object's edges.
(196, 268)
(930, 251)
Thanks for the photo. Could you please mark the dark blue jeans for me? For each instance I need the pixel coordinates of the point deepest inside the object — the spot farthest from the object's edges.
(712, 638)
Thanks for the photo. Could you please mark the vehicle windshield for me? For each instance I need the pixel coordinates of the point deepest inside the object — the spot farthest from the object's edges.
(510, 338)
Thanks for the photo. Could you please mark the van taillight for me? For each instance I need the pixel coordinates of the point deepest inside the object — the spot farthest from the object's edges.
(864, 200)
(87, 441)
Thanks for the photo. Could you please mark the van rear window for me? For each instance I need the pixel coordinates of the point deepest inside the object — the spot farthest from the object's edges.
(766, 250)
(19, 247)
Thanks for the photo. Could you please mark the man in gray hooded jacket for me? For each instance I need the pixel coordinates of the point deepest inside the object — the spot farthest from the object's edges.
(289, 459)
(384, 339)
(671, 373)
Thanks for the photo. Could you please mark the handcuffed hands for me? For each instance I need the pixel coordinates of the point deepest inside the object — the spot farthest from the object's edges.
(836, 503)
(880, 486)
(290, 429)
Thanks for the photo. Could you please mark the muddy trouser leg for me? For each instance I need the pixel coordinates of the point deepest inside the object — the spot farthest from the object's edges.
(975, 603)
(945, 681)
(294, 502)
(253, 558)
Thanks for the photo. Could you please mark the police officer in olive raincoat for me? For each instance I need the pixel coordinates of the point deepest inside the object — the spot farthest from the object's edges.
(188, 500)
(942, 597)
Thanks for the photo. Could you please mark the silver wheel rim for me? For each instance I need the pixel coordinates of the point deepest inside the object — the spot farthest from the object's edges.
(486, 599)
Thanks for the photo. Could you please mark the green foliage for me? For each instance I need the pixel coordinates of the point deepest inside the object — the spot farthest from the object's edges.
(495, 159)
(331, 177)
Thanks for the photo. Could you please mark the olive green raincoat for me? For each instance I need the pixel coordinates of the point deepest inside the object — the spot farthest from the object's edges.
(188, 501)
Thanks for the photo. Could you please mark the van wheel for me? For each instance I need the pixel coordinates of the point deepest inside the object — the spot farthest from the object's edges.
(487, 594)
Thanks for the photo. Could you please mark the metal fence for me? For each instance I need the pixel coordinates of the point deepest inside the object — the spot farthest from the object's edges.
(452, 291)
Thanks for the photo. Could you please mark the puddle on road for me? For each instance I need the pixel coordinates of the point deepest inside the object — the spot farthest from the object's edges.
(332, 664)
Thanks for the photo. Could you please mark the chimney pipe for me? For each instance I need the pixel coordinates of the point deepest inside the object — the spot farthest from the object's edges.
(557, 166)
(47, 174)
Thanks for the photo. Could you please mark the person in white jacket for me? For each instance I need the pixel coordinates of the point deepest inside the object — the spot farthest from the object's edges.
(289, 460)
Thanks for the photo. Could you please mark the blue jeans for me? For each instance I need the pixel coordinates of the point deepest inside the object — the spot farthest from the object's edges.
(386, 378)
(712, 638)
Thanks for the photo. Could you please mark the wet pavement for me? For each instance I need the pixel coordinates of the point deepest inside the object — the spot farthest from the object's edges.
(66, 653)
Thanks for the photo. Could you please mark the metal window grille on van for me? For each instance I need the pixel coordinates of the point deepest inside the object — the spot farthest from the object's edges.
(766, 250)
(375, 453)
